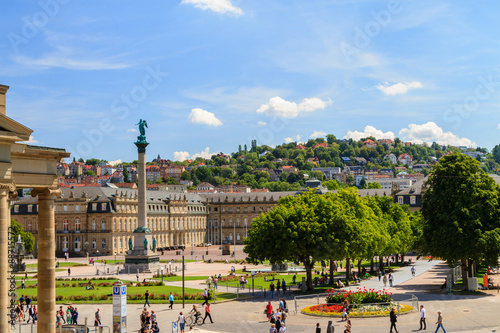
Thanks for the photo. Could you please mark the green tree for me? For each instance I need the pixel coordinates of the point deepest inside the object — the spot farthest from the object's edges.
(331, 139)
(126, 175)
(185, 175)
(496, 153)
(461, 214)
(26, 237)
(89, 173)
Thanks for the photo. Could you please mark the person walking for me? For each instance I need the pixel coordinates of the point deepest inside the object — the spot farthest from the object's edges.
(330, 328)
(440, 322)
(391, 279)
(385, 281)
(146, 296)
(182, 321)
(171, 299)
(205, 296)
(318, 329)
(97, 321)
(207, 313)
(74, 317)
(394, 319)
(23, 286)
(413, 271)
(422, 317)
(379, 274)
(69, 271)
(271, 289)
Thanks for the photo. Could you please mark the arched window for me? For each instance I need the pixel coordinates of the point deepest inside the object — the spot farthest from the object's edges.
(65, 244)
(65, 225)
(77, 225)
(103, 243)
(78, 244)
(103, 225)
(28, 226)
(94, 244)
(94, 225)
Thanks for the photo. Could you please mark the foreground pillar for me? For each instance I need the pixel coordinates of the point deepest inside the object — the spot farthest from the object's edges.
(5, 190)
(46, 260)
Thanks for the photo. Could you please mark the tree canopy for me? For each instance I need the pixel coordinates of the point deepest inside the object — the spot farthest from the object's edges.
(26, 237)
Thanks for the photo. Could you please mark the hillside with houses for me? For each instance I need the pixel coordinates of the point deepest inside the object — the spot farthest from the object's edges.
(367, 163)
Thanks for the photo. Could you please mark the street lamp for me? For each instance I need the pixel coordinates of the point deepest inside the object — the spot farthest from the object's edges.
(234, 235)
(115, 259)
(183, 293)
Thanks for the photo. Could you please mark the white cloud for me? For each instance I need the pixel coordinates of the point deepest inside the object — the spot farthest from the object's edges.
(498, 126)
(132, 130)
(184, 155)
(200, 116)
(31, 140)
(279, 107)
(293, 139)
(317, 134)
(218, 6)
(369, 131)
(115, 162)
(430, 132)
(398, 88)
(181, 155)
(263, 123)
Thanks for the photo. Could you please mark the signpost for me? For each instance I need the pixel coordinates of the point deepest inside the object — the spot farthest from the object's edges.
(120, 308)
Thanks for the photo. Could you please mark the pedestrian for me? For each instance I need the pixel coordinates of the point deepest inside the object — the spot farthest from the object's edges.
(23, 286)
(209, 280)
(74, 317)
(272, 329)
(207, 313)
(391, 278)
(137, 276)
(283, 285)
(171, 299)
(271, 289)
(215, 283)
(379, 274)
(26, 275)
(153, 316)
(69, 315)
(282, 328)
(318, 329)
(440, 322)
(269, 310)
(69, 271)
(394, 319)
(146, 297)
(97, 321)
(278, 287)
(422, 317)
(30, 315)
(155, 328)
(205, 296)
(413, 271)
(348, 326)
(182, 321)
(385, 280)
(35, 314)
(330, 328)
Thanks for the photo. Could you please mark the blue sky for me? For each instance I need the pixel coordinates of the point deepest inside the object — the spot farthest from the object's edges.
(208, 75)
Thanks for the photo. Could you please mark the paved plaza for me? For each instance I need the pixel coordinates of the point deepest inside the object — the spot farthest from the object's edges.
(460, 313)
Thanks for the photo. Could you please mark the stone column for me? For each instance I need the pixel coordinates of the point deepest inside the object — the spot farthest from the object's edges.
(46, 259)
(5, 190)
(141, 176)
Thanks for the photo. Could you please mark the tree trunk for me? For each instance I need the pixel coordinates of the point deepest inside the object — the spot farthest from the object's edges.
(397, 259)
(465, 273)
(470, 267)
(381, 262)
(372, 266)
(331, 271)
(309, 265)
(347, 270)
(359, 267)
(403, 257)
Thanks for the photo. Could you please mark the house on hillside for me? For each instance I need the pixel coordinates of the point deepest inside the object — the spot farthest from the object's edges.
(388, 142)
(405, 159)
(361, 160)
(300, 147)
(205, 186)
(391, 157)
(322, 144)
(369, 143)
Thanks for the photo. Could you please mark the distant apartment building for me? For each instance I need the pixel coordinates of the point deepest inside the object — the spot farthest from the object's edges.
(388, 183)
(153, 173)
(174, 171)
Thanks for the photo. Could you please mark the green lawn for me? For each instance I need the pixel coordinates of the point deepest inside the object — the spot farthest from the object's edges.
(66, 291)
(179, 278)
(457, 287)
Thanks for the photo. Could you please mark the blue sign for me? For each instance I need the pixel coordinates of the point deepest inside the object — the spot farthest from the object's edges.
(116, 290)
(124, 290)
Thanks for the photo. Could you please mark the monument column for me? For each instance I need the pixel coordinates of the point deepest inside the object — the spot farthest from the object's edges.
(5, 190)
(46, 259)
(141, 177)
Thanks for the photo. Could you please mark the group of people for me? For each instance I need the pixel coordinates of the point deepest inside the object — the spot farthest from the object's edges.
(148, 322)
(69, 317)
(277, 318)
(423, 316)
(280, 285)
(330, 328)
(24, 306)
(213, 280)
(387, 277)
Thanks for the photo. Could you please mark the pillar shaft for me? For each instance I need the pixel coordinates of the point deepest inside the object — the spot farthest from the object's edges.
(4, 261)
(46, 261)
(141, 207)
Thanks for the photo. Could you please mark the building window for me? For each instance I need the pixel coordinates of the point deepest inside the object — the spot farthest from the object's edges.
(28, 226)
(230, 222)
(16, 209)
(238, 236)
(130, 224)
(77, 225)
(400, 200)
(94, 244)
(103, 244)
(103, 225)
(237, 223)
(65, 208)
(77, 244)
(103, 206)
(230, 209)
(94, 206)
(30, 208)
(65, 244)
(215, 209)
(65, 225)
(94, 225)
(77, 208)
(413, 200)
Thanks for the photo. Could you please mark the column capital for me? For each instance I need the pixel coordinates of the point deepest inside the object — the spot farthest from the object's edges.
(46, 192)
(10, 186)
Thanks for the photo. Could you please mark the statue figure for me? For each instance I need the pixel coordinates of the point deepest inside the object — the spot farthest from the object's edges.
(19, 238)
(145, 244)
(141, 124)
(130, 247)
(154, 244)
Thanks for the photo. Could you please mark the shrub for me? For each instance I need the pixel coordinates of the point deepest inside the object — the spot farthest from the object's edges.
(359, 296)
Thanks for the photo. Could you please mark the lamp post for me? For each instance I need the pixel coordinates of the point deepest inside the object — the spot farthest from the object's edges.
(115, 259)
(253, 279)
(234, 236)
(183, 294)
(161, 269)
(87, 248)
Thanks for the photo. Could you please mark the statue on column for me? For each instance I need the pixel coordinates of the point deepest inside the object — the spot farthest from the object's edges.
(145, 244)
(130, 246)
(154, 244)
(142, 124)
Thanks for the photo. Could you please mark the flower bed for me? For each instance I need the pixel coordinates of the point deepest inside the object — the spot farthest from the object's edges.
(359, 296)
(371, 310)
